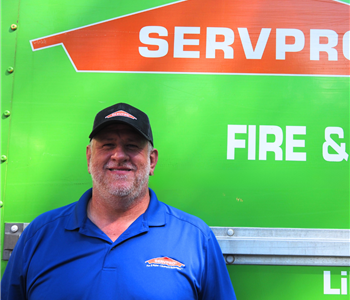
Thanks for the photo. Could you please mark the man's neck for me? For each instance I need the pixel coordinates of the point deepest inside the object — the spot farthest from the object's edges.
(112, 216)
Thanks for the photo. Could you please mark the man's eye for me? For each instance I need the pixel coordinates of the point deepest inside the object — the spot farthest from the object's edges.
(132, 146)
(108, 145)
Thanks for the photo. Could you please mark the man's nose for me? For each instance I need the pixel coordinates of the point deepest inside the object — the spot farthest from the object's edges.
(120, 153)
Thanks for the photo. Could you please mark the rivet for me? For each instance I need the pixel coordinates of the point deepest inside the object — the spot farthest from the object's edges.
(3, 158)
(13, 26)
(230, 259)
(7, 113)
(1, 204)
(230, 232)
(14, 228)
(10, 69)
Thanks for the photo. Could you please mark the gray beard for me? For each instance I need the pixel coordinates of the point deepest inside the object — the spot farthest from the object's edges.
(129, 194)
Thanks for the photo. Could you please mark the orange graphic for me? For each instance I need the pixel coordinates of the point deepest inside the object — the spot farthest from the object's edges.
(165, 261)
(302, 37)
(121, 113)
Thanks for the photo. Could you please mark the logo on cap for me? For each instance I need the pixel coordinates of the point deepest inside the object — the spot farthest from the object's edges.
(164, 262)
(121, 113)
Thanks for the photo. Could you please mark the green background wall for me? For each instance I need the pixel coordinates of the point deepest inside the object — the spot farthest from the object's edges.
(52, 108)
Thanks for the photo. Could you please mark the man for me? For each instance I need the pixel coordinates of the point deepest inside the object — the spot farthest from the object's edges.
(118, 241)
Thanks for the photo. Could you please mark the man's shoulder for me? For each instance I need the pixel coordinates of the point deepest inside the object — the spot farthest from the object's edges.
(49, 218)
(59, 217)
(188, 220)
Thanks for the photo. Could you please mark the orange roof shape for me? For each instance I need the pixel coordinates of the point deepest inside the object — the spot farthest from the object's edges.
(291, 37)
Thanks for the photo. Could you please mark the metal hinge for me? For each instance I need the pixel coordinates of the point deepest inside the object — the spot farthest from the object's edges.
(12, 233)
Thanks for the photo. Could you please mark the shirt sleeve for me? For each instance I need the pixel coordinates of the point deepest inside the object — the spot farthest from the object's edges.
(216, 280)
(13, 285)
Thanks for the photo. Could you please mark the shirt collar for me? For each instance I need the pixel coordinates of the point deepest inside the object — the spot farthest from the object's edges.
(155, 214)
(78, 216)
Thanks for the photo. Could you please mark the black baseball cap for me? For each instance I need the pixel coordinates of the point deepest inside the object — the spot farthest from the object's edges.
(123, 113)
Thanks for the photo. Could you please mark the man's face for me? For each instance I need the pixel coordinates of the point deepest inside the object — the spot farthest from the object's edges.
(120, 162)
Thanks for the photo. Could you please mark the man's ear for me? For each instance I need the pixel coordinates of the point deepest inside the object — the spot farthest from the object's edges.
(153, 156)
(88, 156)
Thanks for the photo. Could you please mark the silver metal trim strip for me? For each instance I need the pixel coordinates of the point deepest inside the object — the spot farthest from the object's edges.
(260, 246)
(284, 246)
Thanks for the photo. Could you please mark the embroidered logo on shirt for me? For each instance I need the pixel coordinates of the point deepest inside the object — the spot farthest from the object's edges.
(164, 262)
(121, 113)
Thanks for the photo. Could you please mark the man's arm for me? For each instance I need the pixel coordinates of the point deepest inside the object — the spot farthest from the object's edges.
(216, 280)
(13, 281)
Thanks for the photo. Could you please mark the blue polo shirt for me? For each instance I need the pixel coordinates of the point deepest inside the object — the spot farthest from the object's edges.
(164, 254)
